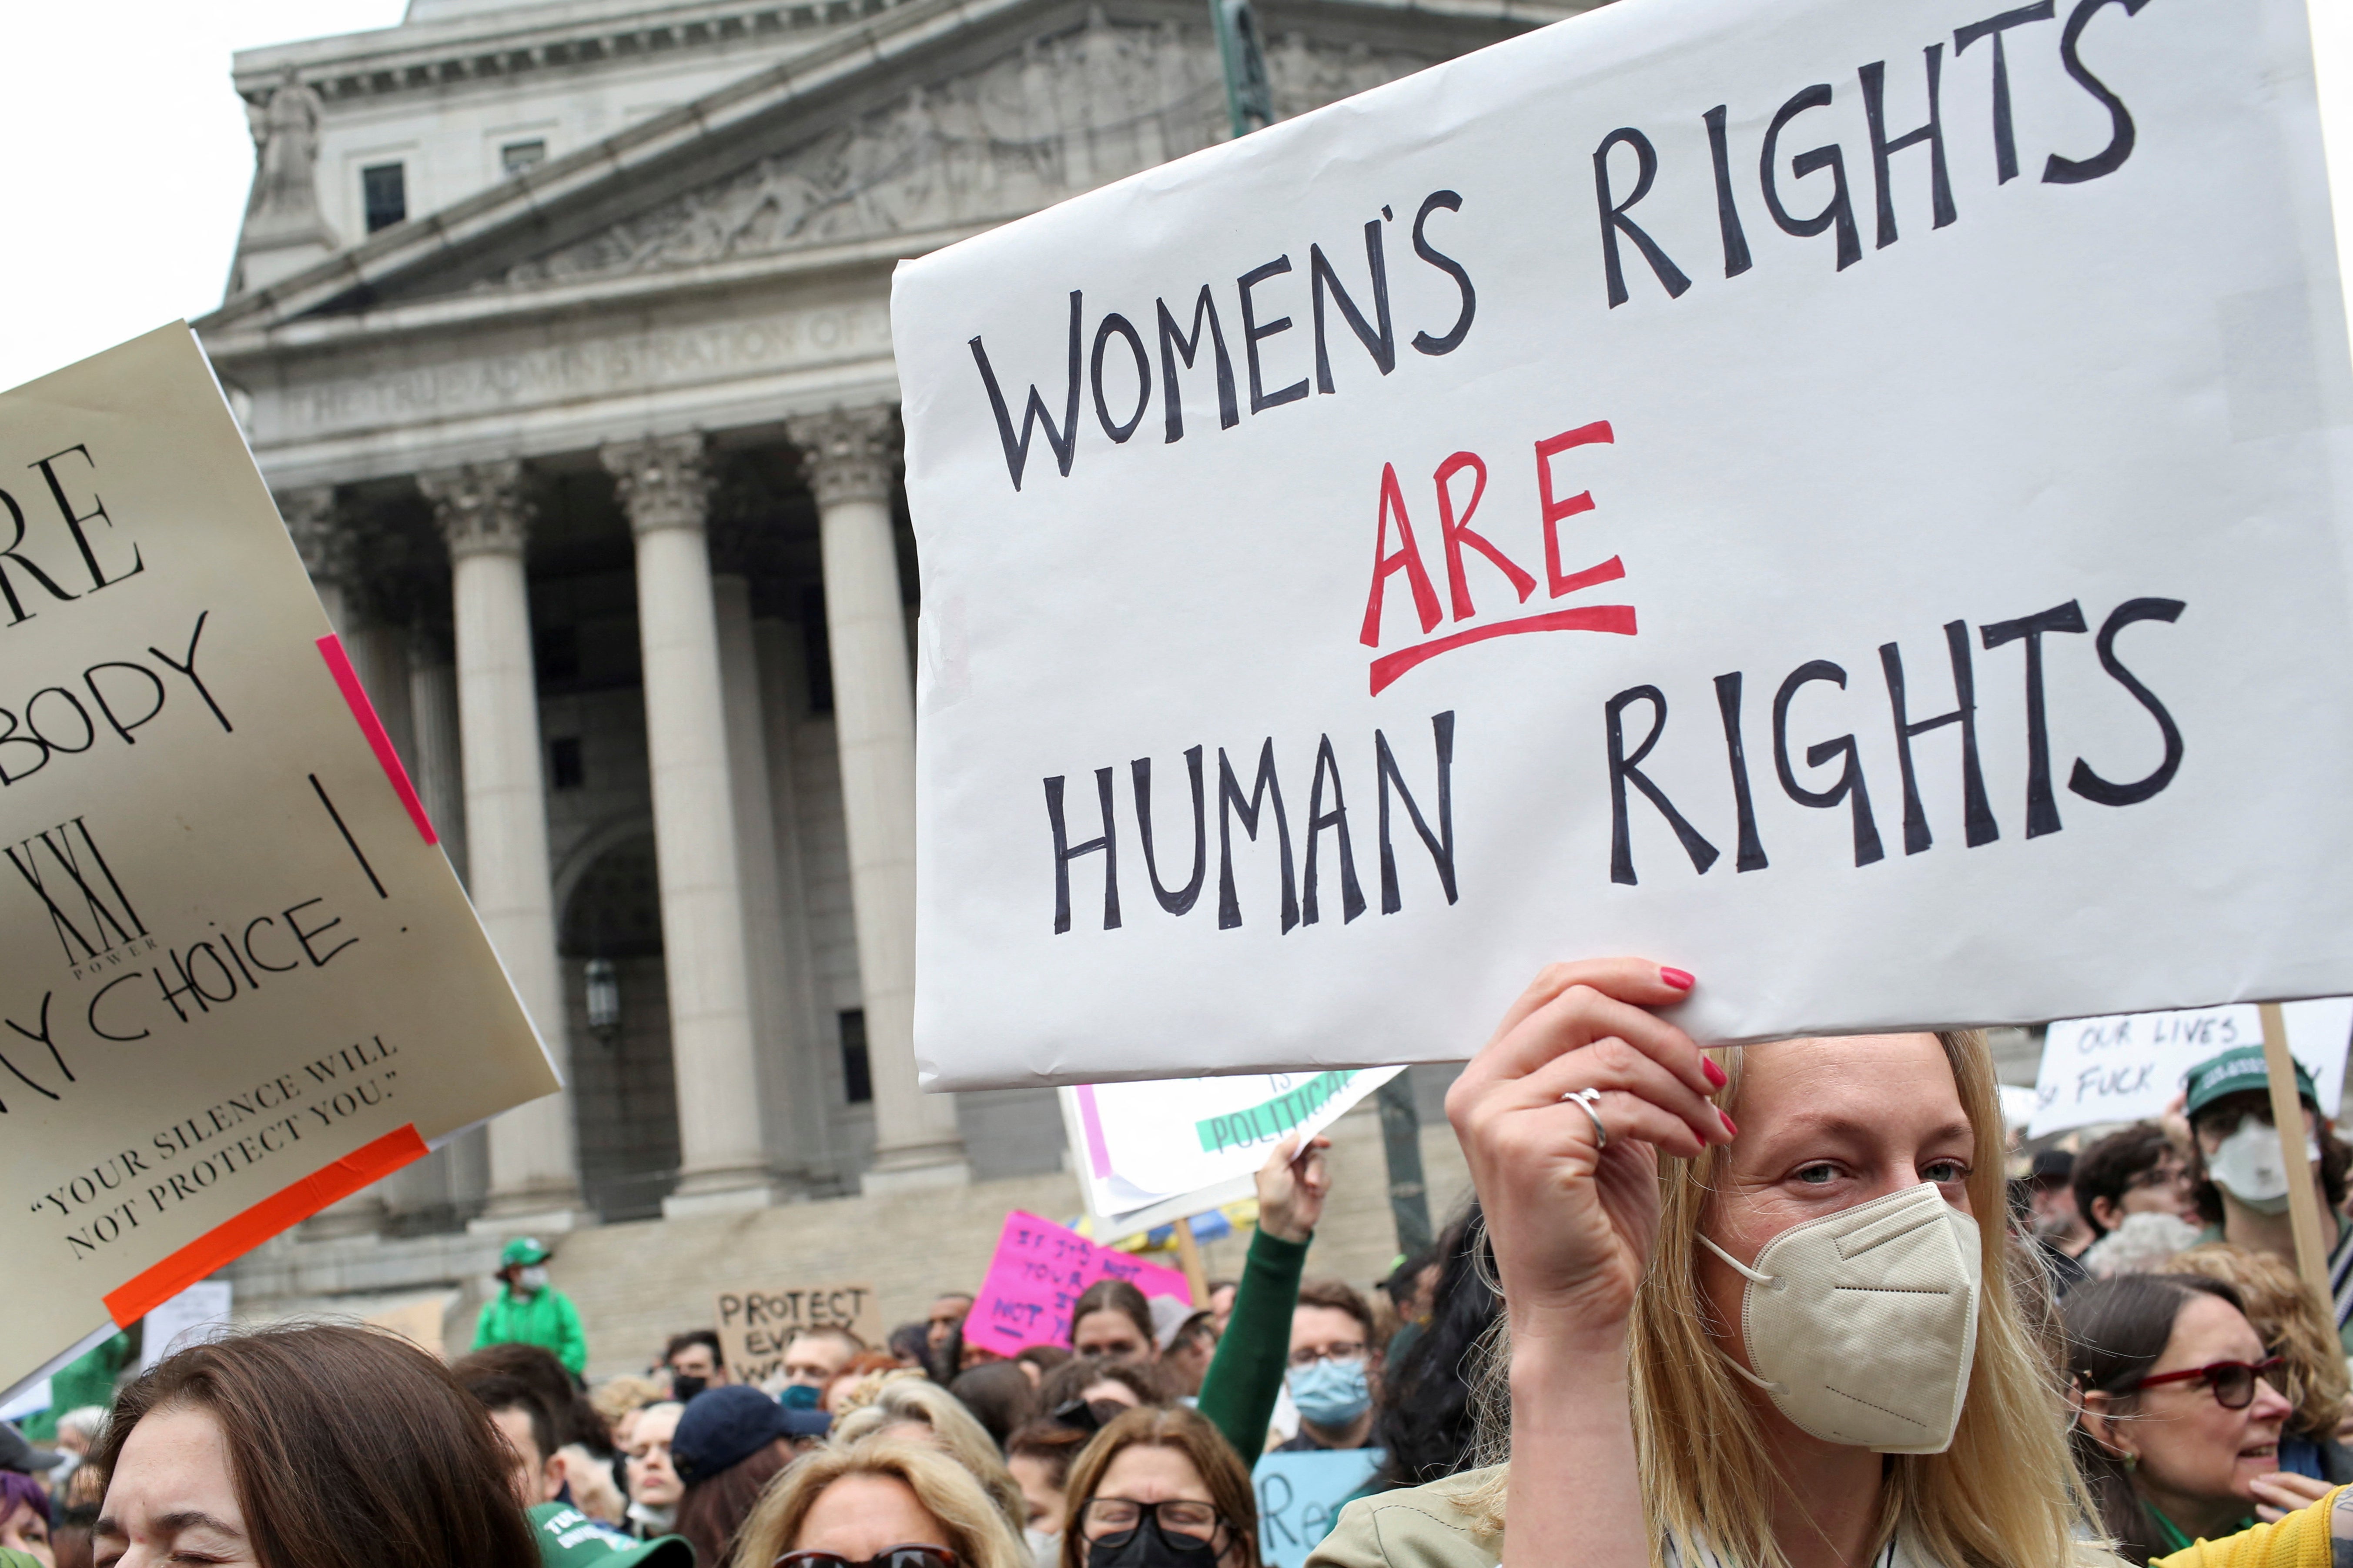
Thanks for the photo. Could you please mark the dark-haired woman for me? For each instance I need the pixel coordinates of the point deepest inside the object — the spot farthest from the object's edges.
(730, 1444)
(2180, 1425)
(1424, 1420)
(309, 1447)
(1112, 1319)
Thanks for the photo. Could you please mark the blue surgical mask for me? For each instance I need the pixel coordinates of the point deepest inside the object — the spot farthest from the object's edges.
(798, 1396)
(1331, 1392)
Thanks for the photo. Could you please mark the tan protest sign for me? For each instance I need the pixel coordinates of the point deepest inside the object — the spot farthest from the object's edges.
(756, 1322)
(237, 979)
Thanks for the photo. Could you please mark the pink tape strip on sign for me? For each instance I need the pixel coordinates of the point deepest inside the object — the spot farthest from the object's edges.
(1091, 1119)
(347, 680)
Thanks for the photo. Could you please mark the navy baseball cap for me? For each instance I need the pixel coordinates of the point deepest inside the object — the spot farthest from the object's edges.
(725, 1427)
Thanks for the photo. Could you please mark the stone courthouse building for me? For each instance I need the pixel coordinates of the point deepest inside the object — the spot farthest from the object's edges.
(561, 331)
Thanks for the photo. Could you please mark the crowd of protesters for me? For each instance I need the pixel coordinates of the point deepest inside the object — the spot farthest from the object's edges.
(1824, 1329)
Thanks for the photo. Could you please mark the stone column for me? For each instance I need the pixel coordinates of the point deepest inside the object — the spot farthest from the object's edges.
(483, 515)
(441, 770)
(755, 839)
(849, 458)
(662, 486)
(325, 549)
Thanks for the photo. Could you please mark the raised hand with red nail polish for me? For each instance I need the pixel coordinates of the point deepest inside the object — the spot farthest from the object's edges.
(1634, 1187)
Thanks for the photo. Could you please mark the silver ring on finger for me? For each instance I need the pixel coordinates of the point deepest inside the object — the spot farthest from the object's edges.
(1588, 1100)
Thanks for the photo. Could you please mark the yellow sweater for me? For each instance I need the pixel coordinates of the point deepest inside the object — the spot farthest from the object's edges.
(2299, 1540)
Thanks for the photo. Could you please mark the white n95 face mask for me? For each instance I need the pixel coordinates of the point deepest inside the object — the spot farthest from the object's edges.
(2248, 1167)
(1862, 1324)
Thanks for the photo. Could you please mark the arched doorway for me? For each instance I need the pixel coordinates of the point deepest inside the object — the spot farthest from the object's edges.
(617, 1002)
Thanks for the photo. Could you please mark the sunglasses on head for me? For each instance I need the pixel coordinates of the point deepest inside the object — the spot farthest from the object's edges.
(2232, 1382)
(889, 1557)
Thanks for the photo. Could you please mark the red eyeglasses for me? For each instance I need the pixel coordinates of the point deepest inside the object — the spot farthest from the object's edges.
(2232, 1382)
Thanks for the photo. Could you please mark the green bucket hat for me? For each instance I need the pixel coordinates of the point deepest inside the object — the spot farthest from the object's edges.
(567, 1538)
(524, 1249)
(2236, 1071)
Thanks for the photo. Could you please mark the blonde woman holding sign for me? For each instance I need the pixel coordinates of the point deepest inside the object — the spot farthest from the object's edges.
(1757, 1306)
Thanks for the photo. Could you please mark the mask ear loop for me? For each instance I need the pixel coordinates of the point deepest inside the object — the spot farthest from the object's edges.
(1771, 1281)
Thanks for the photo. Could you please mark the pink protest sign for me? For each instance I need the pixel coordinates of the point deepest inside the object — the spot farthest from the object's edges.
(1040, 1270)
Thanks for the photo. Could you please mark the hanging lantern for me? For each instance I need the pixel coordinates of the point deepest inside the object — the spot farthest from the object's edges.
(604, 999)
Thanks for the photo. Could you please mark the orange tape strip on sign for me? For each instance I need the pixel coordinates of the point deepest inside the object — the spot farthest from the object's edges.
(231, 1240)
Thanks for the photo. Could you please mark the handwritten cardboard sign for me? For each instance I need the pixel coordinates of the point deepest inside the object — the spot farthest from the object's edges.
(1845, 500)
(1147, 1153)
(1300, 1495)
(757, 1321)
(1038, 1270)
(237, 978)
(2127, 1068)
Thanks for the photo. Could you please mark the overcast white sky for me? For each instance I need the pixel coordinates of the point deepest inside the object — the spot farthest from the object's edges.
(124, 182)
(127, 161)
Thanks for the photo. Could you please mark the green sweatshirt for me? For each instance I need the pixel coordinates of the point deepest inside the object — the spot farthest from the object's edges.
(545, 1318)
(1245, 1378)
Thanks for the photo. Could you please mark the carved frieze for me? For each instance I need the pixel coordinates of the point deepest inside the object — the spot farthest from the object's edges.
(362, 391)
(1062, 114)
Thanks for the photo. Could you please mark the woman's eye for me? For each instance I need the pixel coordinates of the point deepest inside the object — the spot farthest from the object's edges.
(1817, 1176)
(1942, 1171)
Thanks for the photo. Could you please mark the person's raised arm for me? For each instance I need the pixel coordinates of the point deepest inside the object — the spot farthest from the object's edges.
(1245, 1376)
(1571, 1193)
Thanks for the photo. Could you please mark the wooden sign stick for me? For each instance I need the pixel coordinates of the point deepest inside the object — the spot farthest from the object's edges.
(2303, 1204)
(1188, 1257)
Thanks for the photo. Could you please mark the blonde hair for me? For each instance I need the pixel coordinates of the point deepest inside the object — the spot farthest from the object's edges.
(2291, 1325)
(976, 1531)
(961, 1437)
(2005, 1495)
(625, 1396)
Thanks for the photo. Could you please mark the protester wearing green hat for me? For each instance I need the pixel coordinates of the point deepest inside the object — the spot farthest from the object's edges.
(2240, 1183)
(528, 1311)
(570, 1538)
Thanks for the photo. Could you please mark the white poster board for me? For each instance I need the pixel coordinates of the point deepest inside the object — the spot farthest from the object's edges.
(1153, 1152)
(1898, 578)
(238, 980)
(2129, 1068)
(198, 1314)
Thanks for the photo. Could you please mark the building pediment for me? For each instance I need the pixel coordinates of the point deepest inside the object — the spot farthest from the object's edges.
(938, 118)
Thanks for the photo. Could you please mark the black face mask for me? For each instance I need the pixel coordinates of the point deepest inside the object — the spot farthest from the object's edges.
(1149, 1546)
(685, 1388)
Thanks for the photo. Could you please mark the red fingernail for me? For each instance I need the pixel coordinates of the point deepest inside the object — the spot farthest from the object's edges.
(1714, 1073)
(1676, 978)
(1729, 1130)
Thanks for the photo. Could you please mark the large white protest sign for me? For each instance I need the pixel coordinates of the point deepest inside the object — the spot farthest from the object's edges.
(237, 978)
(1842, 499)
(1151, 1151)
(2127, 1068)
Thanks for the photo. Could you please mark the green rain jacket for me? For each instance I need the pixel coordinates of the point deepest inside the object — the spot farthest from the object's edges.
(545, 1318)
